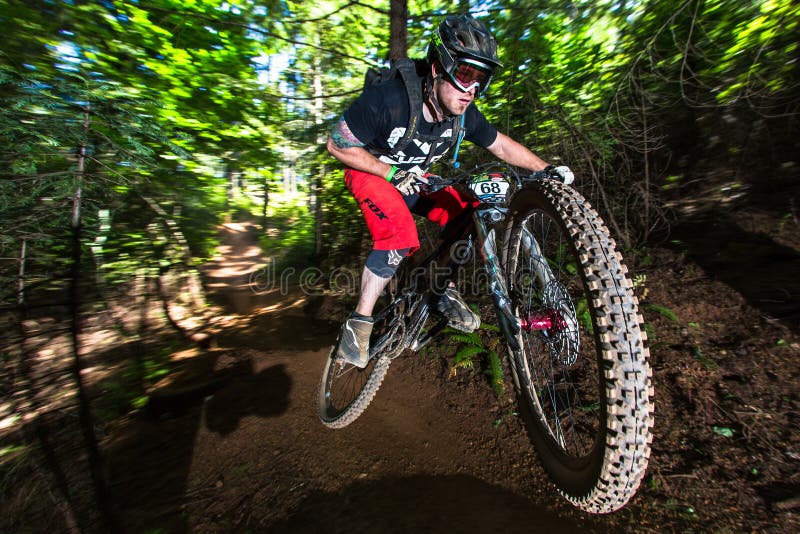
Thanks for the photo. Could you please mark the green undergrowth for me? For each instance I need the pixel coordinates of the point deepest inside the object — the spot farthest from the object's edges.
(288, 237)
(126, 389)
(474, 352)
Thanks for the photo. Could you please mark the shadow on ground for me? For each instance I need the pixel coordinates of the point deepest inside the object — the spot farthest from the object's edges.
(149, 463)
(763, 271)
(422, 504)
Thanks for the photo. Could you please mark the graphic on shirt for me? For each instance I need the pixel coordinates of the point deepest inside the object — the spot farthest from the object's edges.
(418, 151)
(395, 136)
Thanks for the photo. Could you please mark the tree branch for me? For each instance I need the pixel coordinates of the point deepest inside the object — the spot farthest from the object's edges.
(254, 28)
(335, 95)
(347, 5)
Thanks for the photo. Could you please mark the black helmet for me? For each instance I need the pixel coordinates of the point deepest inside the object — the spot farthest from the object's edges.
(461, 36)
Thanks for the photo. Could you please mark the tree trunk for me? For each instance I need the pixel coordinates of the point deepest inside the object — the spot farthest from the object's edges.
(266, 204)
(84, 409)
(318, 212)
(398, 29)
(232, 181)
(646, 157)
(23, 258)
(316, 185)
(34, 404)
(104, 217)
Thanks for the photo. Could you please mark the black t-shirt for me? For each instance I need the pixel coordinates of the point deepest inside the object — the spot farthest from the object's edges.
(379, 117)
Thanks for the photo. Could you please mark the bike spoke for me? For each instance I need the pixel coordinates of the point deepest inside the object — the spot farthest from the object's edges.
(550, 288)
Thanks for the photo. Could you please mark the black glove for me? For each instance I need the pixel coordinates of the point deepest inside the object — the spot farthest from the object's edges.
(408, 183)
(561, 173)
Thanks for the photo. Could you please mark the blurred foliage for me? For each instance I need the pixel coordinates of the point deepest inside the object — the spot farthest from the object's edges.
(190, 102)
(154, 93)
(190, 113)
(289, 240)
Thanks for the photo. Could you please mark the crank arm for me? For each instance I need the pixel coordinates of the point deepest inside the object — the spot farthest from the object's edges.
(423, 340)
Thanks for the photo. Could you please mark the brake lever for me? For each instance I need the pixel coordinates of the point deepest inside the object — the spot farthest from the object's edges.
(541, 175)
(436, 182)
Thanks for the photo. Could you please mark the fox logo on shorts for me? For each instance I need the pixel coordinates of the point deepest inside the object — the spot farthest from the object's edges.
(375, 209)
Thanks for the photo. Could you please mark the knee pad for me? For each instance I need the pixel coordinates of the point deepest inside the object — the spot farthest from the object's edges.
(384, 263)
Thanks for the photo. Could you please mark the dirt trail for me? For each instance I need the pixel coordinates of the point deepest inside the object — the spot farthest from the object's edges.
(232, 443)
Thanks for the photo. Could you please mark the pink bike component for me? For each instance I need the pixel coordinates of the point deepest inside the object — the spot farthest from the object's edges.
(543, 320)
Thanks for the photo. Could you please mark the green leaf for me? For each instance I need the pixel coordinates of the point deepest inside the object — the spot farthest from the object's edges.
(495, 372)
(470, 339)
(723, 431)
(666, 312)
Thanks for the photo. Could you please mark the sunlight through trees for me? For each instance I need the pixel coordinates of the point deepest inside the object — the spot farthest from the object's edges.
(130, 130)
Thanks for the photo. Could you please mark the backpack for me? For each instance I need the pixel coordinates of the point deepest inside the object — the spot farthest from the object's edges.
(410, 70)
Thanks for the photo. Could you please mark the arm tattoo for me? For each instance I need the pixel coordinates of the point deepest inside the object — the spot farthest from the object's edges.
(343, 137)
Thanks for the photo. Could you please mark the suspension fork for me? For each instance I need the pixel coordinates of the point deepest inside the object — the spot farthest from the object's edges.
(538, 262)
(497, 285)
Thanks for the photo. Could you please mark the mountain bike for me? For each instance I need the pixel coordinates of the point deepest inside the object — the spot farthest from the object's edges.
(577, 352)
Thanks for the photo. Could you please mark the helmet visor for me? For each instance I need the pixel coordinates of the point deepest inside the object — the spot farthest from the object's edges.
(468, 73)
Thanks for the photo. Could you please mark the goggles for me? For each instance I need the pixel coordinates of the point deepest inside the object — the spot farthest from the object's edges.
(468, 73)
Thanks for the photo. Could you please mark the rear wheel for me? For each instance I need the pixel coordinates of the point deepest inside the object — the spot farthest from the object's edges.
(345, 391)
(581, 366)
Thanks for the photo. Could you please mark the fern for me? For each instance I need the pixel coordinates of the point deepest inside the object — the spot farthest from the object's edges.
(471, 345)
(468, 352)
(468, 339)
(465, 359)
(495, 372)
(666, 312)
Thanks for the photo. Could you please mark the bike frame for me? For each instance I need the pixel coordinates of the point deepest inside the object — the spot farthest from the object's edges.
(484, 220)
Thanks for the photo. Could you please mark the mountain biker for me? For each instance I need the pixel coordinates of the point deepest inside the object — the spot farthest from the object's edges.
(388, 183)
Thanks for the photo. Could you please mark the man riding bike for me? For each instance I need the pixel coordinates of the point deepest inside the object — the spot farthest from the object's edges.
(387, 178)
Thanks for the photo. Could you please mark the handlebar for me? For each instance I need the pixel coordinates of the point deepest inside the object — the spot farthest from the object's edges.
(436, 182)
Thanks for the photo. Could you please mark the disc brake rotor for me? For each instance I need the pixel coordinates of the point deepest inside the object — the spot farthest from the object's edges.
(562, 335)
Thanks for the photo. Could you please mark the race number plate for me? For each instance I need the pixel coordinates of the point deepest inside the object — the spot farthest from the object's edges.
(490, 188)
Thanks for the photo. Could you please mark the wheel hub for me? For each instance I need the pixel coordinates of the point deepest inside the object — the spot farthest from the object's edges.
(549, 319)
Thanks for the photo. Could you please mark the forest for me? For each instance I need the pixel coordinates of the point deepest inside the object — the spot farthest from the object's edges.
(172, 229)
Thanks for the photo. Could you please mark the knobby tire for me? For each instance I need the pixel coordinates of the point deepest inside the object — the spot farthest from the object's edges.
(365, 385)
(587, 395)
(345, 391)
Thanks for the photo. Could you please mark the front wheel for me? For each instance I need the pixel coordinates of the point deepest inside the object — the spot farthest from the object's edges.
(582, 366)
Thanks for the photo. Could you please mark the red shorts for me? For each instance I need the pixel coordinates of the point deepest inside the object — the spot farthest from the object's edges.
(388, 215)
